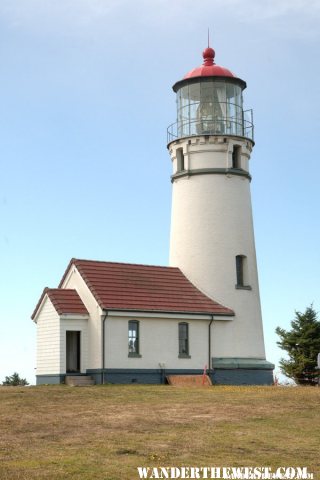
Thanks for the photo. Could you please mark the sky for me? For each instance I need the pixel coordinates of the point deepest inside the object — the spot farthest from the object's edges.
(85, 94)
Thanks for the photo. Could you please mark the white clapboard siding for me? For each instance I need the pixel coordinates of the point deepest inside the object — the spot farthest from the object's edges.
(48, 340)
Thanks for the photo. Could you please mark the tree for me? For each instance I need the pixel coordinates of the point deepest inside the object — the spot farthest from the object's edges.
(15, 380)
(302, 344)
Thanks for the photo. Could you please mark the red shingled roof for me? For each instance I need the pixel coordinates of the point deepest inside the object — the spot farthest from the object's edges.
(123, 286)
(63, 300)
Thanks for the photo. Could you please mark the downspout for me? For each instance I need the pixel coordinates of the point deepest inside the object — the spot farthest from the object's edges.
(103, 346)
(209, 345)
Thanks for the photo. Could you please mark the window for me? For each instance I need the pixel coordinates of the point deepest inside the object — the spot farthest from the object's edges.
(236, 156)
(239, 269)
(242, 272)
(184, 340)
(180, 160)
(133, 338)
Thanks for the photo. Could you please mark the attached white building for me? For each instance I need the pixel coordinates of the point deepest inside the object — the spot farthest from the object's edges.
(124, 323)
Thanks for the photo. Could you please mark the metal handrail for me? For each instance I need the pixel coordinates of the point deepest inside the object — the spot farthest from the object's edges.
(207, 126)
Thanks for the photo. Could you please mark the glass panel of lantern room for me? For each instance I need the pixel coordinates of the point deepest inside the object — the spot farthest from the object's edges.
(239, 110)
(234, 110)
(230, 108)
(183, 121)
(239, 122)
(183, 111)
(238, 95)
(179, 113)
(194, 99)
(212, 111)
(205, 111)
(220, 88)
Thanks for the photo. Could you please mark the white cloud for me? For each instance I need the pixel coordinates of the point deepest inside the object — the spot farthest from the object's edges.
(75, 12)
(253, 10)
(177, 19)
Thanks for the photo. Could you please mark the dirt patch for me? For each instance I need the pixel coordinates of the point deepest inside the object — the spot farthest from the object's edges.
(189, 380)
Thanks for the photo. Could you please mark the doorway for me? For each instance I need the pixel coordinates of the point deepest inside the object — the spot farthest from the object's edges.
(73, 351)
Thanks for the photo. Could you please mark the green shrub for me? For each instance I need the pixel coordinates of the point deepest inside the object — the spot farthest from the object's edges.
(15, 381)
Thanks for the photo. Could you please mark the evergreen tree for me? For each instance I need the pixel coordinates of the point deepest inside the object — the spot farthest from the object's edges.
(302, 344)
(15, 380)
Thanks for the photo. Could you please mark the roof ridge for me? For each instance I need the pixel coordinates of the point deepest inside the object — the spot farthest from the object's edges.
(60, 289)
(73, 260)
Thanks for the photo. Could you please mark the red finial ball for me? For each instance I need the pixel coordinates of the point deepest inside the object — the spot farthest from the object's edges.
(208, 56)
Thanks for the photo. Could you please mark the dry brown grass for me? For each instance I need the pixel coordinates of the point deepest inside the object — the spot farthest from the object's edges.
(105, 432)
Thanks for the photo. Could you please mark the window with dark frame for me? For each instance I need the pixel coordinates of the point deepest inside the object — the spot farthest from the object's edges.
(183, 339)
(180, 159)
(242, 273)
(239, 270)
(133, 338)
(236, 156)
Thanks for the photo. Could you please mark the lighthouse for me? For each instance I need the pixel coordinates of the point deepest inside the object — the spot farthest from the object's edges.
(212, 235)
(135, 323)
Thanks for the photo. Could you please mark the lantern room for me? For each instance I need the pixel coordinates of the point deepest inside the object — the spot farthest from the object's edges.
(210, 102)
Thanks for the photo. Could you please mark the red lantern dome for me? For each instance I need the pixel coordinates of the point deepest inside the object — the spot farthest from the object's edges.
(209, 68)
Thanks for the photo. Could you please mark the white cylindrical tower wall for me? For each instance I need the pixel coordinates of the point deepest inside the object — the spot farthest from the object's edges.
(212, 238)
(211, 225)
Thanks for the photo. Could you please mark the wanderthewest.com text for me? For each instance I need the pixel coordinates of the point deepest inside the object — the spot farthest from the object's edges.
(232, 473)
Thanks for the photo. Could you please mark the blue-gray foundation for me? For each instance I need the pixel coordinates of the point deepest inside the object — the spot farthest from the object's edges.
(225, 371)
(51, 379)
(241, 371)
(155, 377)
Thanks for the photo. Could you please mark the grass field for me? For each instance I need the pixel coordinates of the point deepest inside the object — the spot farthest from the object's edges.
(105, 432)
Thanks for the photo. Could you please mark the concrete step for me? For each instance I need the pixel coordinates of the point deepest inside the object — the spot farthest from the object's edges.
(79, 380)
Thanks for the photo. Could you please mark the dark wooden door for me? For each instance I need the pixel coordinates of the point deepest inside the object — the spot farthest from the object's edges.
(73, 352)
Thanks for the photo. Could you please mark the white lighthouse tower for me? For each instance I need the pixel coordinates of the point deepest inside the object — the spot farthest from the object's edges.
(212, 237)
